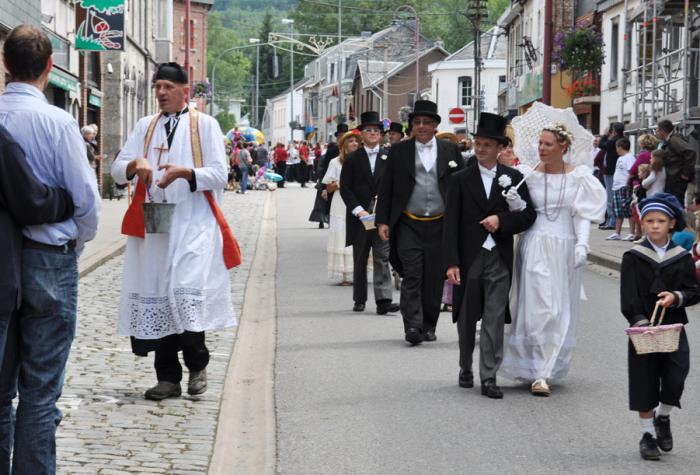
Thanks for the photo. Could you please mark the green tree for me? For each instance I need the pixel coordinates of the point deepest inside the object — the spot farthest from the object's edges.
(227, 121)
(232, 69)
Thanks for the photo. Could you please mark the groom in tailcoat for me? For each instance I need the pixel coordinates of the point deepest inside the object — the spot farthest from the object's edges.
(410, 212)
(478, 245)
(360, 177)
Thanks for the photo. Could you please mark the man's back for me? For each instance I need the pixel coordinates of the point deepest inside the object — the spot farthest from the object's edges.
(57, 155)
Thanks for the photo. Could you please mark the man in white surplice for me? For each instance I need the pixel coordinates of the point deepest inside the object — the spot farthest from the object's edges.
(175, 285)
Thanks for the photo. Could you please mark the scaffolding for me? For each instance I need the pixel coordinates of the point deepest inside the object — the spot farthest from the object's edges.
(665, 82)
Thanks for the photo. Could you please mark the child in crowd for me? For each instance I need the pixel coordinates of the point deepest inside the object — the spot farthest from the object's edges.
(622, 196)
(656, 181)
(657, 270)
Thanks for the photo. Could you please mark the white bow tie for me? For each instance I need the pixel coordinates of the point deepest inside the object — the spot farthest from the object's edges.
(487, 172)
(373, 151)
(425, 146)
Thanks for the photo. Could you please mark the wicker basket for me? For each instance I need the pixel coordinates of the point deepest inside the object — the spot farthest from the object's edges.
(655, 339)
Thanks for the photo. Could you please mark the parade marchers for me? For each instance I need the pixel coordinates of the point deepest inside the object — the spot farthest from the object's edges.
(443, 218)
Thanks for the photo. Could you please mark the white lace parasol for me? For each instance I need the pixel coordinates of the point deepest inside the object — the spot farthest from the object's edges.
(528, 127)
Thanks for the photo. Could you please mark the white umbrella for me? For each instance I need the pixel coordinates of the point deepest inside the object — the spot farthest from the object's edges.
(528, 127)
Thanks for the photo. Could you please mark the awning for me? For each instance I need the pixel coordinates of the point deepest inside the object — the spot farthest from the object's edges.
(64, 81)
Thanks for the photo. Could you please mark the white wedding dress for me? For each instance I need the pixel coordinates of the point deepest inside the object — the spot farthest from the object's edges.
(546, 285)
(340, 263)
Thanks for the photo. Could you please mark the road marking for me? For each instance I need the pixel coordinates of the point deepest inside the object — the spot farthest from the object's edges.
(245, 436)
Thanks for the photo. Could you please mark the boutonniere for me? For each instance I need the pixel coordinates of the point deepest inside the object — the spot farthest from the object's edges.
(452, 164)
(383, 157)
(504, 181)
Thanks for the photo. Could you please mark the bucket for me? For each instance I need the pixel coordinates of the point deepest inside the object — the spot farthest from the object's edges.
(158, 217)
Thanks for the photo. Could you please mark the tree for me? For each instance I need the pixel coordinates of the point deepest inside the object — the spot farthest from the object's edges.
(227, 121)
(232, 69)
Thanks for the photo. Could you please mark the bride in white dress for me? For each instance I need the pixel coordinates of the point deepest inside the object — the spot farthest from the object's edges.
(547, 274)
(340, 263)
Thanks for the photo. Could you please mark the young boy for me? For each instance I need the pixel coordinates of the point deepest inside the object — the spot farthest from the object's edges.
(622, 197)
(657, 270)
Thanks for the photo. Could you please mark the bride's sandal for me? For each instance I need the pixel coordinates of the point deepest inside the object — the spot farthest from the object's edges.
(540, 388)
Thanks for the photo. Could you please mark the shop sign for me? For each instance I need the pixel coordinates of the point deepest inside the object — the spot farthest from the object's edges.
(99, 25)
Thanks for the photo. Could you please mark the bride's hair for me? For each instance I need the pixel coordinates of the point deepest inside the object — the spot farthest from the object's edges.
(564, 137)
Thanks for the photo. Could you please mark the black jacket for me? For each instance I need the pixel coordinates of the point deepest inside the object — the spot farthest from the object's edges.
(466, 207)
(611, 155)
(644, 274)
(400, 177)
(359, 187)
(23, 201)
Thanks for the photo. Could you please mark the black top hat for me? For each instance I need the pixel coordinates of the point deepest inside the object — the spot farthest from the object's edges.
(341, 129)
(396, 127)
(427, 108)
(370, 119)
(492, 126)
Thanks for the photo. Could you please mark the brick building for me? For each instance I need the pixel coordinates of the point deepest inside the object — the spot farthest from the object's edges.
(199, 11)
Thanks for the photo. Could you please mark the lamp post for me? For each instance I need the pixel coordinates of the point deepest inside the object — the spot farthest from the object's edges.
(213, 71)
(415, 15)
(290, 22)
(256, 42)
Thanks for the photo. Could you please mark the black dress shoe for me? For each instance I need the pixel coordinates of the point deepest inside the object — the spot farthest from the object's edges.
(648, 448)
(384, 308)
(662, 424)
(358, 307)
(429, 335)
(490, 389)
(414, 336)
(466, 379)
(320, 225)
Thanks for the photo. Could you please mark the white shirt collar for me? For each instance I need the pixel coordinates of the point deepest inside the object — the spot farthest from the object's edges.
(491, 172)
(430, 143)
(373, 150)
(660, 250)
(25, 88)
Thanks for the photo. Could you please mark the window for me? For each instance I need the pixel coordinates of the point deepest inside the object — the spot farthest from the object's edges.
(465, 91)
(614, 50)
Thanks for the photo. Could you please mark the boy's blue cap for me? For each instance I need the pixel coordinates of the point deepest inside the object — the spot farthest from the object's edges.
(664, 203)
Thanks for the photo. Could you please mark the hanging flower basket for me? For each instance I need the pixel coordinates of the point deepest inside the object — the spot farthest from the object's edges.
(584, 87)
(580, 50)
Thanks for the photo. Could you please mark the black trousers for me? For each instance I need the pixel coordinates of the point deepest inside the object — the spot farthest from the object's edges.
(303, 173)
(194, 352)
(281, 169)
(418, 245)
(677, 186)
(657, 377)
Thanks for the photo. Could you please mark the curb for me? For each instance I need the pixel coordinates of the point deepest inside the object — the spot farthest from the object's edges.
(109, 253)
(606, 261)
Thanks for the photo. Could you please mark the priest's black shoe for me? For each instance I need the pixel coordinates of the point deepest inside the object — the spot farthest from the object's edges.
(358, 307)
(384, 308)
(414, 336)
(466, 379)
(662, 424)
(649, 448)
(429, 335)
(490, 389)
(163, 390)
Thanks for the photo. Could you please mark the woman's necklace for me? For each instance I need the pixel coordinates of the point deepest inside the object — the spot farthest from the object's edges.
(554, 215)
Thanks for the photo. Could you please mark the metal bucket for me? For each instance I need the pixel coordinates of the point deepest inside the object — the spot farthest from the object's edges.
(158, 217)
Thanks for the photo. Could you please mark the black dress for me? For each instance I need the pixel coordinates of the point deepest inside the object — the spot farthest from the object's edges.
(657, 377)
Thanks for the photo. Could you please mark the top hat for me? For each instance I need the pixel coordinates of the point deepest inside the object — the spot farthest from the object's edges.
(492, 126)
(396, 127)
(341, 129)
(426, 108)
(370, 119)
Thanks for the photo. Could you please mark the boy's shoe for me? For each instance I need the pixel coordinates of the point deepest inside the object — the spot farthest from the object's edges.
(662, 424)
(648, 447)
(629, 237)
(613, 237)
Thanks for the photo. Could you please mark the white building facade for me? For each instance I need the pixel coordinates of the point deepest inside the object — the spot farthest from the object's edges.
(278, 115)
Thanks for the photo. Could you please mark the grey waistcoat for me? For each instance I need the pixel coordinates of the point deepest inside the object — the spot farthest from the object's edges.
(426, 199)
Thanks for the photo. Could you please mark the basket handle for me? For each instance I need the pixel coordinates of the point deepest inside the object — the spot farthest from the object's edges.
(653, 315)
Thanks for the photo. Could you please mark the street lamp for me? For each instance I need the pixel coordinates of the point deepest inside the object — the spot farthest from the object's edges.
(415, 15)
(290, 22)
(213, 71)
(256, 42)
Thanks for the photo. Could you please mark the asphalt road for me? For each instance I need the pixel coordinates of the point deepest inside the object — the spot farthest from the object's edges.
(353, 398)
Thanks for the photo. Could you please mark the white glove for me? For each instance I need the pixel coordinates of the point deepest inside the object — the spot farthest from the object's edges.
(582, 229)
(515, 202)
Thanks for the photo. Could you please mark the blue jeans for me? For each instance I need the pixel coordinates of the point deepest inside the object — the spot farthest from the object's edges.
(244, 179)
(39, 338)
(608, 189)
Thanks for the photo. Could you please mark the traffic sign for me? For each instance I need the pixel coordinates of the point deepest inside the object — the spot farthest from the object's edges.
(457, 115)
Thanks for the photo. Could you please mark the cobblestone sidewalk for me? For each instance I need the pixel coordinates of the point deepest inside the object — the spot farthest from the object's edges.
(108, 428)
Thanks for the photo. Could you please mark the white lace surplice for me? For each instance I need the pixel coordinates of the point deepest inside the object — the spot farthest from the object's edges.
(340, 263)
(177, 282)
(546, 285)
